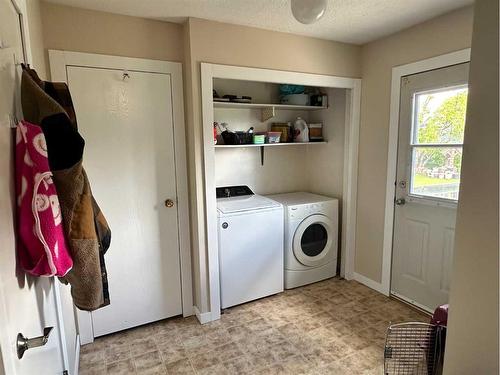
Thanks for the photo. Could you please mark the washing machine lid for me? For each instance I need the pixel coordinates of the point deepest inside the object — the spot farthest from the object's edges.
(245, 203)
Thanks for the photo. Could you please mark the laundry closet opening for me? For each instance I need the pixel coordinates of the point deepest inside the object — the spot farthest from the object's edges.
(271, 136)
(315, 166)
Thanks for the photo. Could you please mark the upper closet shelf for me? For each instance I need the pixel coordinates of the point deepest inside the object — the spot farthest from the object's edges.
(268, 111)
(262, 106)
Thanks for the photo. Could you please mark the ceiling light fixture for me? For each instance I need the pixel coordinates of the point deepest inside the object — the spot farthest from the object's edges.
(308, 11)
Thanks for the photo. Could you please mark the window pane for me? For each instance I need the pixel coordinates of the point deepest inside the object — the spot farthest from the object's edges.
(435, 172)
(440, 116)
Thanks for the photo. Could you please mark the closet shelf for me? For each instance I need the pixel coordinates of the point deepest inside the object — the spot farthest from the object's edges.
(271, 144)
(268, 111)
(263, 105)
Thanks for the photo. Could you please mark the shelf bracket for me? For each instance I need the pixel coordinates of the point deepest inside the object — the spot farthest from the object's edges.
(267, 113)
(262, 155)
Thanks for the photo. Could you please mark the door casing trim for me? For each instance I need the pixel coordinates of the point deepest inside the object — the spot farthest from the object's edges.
(59, 60)
(209, 207)
(441, 61)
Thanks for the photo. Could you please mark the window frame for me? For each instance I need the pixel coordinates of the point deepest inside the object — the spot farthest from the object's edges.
(413, 144)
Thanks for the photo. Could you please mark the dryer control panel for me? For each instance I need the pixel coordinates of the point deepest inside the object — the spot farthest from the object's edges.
(305, 210)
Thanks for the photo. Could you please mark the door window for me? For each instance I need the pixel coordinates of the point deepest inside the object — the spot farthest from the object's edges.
(314, 240)
(436, 142)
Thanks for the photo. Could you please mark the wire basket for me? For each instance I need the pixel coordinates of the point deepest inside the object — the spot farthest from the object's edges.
(413, 349)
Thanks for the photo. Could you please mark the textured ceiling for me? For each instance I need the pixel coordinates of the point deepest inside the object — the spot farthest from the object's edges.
(350, 21)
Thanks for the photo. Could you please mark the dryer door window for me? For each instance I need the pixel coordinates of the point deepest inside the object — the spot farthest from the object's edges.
(313, 240)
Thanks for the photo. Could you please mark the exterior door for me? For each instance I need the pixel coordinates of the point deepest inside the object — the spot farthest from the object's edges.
(431, 129)
(126, 120)
(27, 304)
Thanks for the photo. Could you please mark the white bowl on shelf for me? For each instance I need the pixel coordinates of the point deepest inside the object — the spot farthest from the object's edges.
(295, 99)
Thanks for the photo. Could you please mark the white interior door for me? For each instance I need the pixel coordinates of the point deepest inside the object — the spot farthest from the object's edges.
(431, 129)
(27, 304)
(126, 121)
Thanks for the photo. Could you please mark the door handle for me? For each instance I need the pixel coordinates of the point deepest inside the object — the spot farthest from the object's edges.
(23, 343)
(400, 201)
(169, 203)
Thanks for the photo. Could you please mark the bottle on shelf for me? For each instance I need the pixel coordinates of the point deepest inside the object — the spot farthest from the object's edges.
(300, 130)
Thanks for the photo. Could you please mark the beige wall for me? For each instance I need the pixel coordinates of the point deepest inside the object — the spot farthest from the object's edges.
(246, 46)
(444, 34)
(75, 29)
(472, 343)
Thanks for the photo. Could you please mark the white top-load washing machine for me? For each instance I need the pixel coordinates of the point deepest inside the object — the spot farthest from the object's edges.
(311, 237)
(250, 234)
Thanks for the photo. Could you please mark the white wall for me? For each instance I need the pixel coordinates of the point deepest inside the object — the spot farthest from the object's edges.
(472, 343)
(326, 163)
(284, 169)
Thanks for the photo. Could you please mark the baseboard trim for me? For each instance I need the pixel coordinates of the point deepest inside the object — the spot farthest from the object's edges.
(77, 355)
(202, 317)
(369, 283)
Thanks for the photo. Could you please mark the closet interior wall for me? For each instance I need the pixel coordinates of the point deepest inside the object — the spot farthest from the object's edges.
(314, 168)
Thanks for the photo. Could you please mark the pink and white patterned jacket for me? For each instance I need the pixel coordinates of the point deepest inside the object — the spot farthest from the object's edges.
(42, 248)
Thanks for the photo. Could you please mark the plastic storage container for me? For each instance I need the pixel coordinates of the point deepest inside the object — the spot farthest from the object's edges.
(285, 128)
(316, 132)
(273, 137)
(259, 139)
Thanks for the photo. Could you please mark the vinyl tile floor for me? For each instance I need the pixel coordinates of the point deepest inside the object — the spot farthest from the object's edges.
(331, 327)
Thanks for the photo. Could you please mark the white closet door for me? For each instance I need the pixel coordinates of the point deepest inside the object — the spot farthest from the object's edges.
(129, 157)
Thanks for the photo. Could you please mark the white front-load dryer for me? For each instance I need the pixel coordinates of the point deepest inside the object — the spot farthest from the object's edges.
(311, 237)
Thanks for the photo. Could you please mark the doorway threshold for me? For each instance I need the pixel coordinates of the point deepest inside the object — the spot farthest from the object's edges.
(414, 305)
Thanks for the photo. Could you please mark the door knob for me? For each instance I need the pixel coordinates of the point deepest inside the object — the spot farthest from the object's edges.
(23, 343)
(169, 203)
(400, 201)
